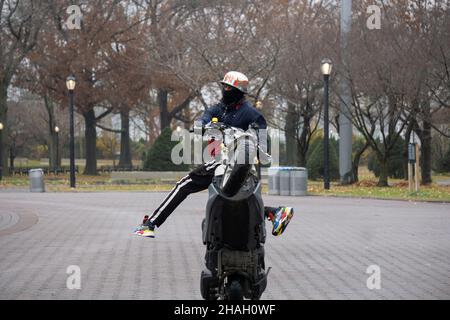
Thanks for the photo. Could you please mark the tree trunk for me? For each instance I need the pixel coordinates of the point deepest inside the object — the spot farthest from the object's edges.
(303, 143)
(4, 132)
(355, 171)
(52, 146)
(2, 162)
(52, 151)
(291, 136)
(187, 115)
(355, 163)
(425, 158)
(125, 151)
(291, 148)
(90, 135)
(12, 156)
(301, 161)
(58, 150)
(164, 114)
(384, 172)
(425, 139)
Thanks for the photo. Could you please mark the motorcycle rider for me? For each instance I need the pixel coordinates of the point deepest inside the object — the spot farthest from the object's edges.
(233, 110)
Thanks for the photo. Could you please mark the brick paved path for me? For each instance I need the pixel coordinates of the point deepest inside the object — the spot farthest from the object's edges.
(324, 253)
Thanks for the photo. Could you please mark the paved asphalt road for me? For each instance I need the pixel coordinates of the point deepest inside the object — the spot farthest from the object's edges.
(324, 254)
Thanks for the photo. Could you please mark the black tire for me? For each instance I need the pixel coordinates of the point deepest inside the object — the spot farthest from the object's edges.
(235, 291)
(237, 178)
(206, 281)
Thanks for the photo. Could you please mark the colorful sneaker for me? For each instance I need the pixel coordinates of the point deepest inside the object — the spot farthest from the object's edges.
(135, 231)
(146, 231)
(281, 219)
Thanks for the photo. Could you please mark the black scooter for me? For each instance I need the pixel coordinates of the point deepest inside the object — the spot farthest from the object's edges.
(234, 226)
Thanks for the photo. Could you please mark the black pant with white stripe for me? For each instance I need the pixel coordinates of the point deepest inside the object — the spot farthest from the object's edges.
(197, 180)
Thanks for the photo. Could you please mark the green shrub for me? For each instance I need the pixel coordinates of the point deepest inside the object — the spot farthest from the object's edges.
(158, 157)
(395, 161)
(444, 163)
(440, 155)
(314, 161)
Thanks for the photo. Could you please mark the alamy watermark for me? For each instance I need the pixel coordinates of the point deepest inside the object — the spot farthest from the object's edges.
(374, 20)
(75, 15)
(191, 148)
(74, 279)
(374, 280)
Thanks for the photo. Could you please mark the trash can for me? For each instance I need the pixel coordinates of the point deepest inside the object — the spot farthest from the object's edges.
(36, 180)
(298, 181)
(285, 184)
(273, 175)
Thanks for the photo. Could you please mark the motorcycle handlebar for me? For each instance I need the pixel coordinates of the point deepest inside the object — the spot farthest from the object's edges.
(222, 126)
(216, 125)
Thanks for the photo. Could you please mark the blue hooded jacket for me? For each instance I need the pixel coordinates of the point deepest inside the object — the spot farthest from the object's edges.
(241, 115)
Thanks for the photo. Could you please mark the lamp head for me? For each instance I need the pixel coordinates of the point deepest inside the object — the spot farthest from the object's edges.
(325, 67)
(71, 82)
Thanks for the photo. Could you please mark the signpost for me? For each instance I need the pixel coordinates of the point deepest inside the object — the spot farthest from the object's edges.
(413, 167)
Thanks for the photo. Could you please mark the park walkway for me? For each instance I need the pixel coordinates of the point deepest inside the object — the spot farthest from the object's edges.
(324, 254)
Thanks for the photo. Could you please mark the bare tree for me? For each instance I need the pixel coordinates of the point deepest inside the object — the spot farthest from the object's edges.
(20, 24)
(380, 93)
(85, 53)
(429, 23)
(305, 30)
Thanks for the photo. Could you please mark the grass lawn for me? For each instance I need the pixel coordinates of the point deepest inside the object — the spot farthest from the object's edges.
(30, 163)
(102, 182)
(366, 188)
(398, 189)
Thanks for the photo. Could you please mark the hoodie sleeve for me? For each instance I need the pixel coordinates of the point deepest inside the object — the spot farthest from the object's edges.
(258, 118)
(261, 121)
(209, 113)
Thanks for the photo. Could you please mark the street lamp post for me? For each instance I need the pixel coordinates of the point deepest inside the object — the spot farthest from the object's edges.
(1, 153)
(57, 147)
(325, 68)
(70, 83)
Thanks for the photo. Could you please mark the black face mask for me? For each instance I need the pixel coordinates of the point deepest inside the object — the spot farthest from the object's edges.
(230, 97)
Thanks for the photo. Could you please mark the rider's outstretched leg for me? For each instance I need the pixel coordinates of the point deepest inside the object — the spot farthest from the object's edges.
(197, 180)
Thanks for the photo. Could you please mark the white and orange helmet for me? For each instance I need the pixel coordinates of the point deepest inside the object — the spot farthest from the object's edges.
(236, 80)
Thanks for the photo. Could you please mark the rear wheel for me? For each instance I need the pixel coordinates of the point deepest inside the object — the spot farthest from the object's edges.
(207, 285)
(235, 291)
